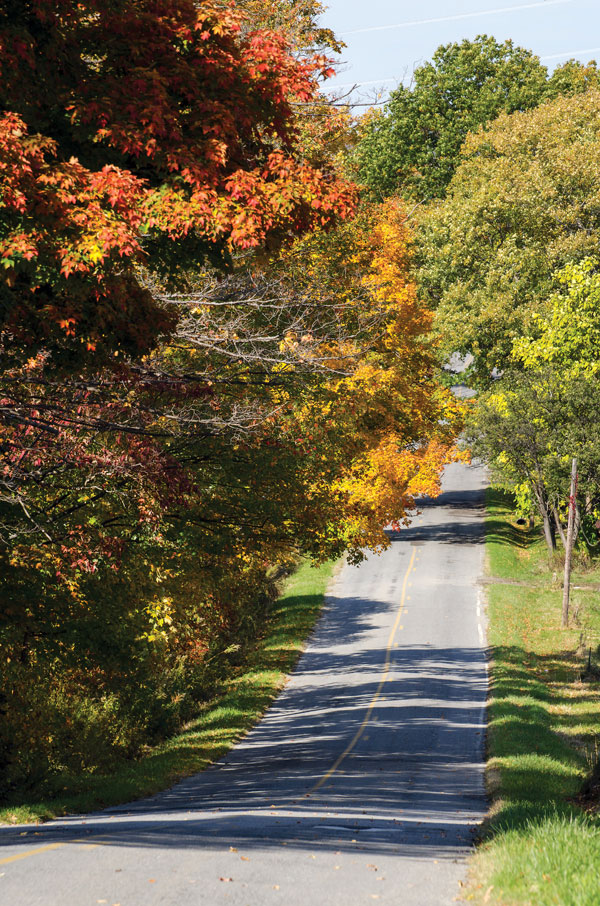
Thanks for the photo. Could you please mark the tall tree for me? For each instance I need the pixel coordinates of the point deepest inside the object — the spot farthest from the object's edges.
(532, 423)
(523, 203)
(160, 133)
(529, 428)
(413, 148)
(137, 141)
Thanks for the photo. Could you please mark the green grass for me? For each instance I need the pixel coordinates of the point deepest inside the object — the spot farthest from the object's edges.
(544, 722)
(220, 724)
(521, 555)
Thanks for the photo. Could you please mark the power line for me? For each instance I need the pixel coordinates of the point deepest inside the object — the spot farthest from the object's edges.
(456, 17)
(551, 56)
(359, 84)
(569, 53)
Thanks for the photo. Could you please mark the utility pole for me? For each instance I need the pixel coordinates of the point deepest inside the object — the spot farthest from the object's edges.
(569, 547)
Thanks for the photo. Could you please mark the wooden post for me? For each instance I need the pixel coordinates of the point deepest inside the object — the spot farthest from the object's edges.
(569, 545)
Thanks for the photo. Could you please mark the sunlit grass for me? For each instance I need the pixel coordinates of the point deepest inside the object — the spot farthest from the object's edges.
(220, 723)
(549, 862)
(539, 847)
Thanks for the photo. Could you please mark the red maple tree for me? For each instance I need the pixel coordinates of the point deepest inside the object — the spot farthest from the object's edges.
(160, 131)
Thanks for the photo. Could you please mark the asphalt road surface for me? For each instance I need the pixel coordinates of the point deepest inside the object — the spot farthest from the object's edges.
(362, 784)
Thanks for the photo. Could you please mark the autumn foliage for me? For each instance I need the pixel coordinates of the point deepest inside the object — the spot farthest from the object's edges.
(156, 132)
(210, 364)
(391, 426)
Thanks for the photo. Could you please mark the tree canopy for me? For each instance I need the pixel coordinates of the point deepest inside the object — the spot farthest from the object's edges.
(528, 428)
(141, 133)
(138, 145)
(413, 147)
(523, 203)
(568, 337)
(534, 420)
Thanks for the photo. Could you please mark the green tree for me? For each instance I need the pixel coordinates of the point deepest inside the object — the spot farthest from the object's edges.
(528, 428)
(414, 146)
(524, 202)
(569, 337)
(572, 77)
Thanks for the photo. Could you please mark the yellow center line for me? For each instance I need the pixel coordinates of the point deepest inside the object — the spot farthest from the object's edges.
(384, 676)
(85, 842)
(93, 842)
(31, 852)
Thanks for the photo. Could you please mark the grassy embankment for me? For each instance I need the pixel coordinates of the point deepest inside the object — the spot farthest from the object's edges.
(540, 846)
(223, 720)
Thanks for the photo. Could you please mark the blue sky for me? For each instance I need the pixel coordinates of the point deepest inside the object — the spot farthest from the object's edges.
(387, 39)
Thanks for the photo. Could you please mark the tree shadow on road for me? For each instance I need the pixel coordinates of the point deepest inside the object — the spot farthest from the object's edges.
(413, 782)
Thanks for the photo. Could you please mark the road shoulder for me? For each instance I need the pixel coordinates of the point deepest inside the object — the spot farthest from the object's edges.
(544, 721)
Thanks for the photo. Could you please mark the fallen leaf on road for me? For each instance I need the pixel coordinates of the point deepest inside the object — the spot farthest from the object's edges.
(232, 849)
(225, 879)
(275, 886)
(245, 858)
(372, 867)
(151, 880)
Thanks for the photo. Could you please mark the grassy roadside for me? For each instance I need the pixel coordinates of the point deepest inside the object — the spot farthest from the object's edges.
(544, 726)
(223, 721)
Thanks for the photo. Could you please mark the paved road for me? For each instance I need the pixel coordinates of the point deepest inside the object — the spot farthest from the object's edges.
(362, 784)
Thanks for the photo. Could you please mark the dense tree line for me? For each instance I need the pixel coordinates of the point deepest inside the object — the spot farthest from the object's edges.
(223, 309)
(212, 359)
(501, 159)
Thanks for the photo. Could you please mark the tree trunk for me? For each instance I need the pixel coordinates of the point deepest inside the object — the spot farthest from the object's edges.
(544, 511)
(570, 542)
(549, 533)
(24, 654)
(559, 527)
(577, 523)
